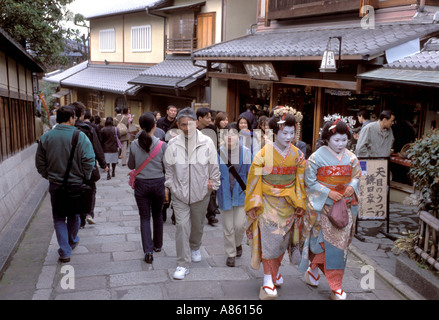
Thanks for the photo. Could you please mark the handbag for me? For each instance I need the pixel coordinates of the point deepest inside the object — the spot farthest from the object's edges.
(72, 199)
(119, 144)
(338, 215)
(123, 129)
(133, 173)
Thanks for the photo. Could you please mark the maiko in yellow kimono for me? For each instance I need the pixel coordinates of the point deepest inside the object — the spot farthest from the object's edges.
(275, 187)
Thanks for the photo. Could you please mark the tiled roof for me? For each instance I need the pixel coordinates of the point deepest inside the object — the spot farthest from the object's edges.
(407, 76)
(427, 59)
(110, 7)
(174, 72)
(305, 43)
(420, 68)
(107, 78)
(56, 77)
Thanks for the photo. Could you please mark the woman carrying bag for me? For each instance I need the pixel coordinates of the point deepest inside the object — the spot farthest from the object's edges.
(147, 151)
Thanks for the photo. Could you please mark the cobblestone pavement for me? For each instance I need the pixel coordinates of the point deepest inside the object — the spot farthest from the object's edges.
(108, 262)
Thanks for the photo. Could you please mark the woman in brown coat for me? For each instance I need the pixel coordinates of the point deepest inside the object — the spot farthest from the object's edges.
(110, 143)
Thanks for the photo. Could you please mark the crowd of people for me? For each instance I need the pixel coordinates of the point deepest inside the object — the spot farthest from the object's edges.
(254, 172)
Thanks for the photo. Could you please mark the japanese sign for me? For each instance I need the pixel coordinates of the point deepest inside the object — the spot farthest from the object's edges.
(373, 190)
(261, 71)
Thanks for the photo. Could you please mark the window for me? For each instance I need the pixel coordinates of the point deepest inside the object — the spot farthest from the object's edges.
(141, 38)
(107, 40)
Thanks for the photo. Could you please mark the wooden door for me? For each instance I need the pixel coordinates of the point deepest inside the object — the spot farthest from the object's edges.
(205, 29)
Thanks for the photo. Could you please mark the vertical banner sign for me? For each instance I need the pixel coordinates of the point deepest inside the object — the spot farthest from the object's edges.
(43, 99)
(374, 189)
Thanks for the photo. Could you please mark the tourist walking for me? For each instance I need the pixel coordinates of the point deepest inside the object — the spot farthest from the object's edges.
(110, 136)
(275, 200)
(376, 139)
(146, 157)
(92, 135)
(332, 178)
(192, 172)
(51, 161)
(234, 164)
(124, 136)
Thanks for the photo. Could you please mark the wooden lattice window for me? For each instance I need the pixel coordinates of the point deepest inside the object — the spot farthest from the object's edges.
(17, 126)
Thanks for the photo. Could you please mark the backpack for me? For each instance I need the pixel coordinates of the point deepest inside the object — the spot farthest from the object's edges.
(123, 130)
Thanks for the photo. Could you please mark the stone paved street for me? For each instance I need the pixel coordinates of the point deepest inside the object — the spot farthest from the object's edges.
(108, 262)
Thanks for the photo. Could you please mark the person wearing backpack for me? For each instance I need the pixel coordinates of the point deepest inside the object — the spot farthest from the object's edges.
(234, 163)
(121, 121)
(100, 157)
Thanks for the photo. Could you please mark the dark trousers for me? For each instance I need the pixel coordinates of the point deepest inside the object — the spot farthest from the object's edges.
(93, 201)
(150, 194)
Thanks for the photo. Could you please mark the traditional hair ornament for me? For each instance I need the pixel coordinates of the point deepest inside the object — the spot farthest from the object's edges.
(350, 121)
(282, 111)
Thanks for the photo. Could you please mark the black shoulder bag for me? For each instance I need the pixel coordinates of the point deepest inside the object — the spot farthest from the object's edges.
(72, 199)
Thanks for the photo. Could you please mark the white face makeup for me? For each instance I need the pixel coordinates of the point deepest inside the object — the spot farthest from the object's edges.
(338, 142)
(285, 136)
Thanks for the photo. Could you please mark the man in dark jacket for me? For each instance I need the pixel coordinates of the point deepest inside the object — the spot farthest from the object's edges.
(51, 160)
(90, 132)
(165, 123)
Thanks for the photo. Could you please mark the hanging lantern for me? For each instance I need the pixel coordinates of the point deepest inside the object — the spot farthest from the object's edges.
(328, 60)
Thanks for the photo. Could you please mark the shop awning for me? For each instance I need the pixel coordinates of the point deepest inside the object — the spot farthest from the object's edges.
(418, 69)
(184, 7)
(175, 72)
(107, 78)
(61, 93)
(308, 43)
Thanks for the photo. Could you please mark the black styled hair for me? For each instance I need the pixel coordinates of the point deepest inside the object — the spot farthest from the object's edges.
(87, 114)
(109, 121)
(64, 113)
(147, 123)
(341, 128)
(79, 108)
(365, 113)
(290, 121)
(202, 112)
(386, 114)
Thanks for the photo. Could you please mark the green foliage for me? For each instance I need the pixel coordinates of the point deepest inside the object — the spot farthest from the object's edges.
(424, 154)
(35, 24)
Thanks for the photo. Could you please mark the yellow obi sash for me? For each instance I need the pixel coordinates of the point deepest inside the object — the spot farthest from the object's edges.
(279, 177)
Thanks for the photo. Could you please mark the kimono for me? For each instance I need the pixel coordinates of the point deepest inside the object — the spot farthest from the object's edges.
(275, 187)
(325, 245)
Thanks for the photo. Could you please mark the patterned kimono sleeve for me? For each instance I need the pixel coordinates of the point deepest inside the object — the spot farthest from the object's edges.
(253, 198)
(300, 181)
(316, 193)
(356, 173)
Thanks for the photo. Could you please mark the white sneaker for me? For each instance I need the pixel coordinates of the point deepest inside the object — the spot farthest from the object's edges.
(196, 255)
(180, 273)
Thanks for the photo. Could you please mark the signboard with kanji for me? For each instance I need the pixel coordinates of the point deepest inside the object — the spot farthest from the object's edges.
(373, 191)
(261, 71)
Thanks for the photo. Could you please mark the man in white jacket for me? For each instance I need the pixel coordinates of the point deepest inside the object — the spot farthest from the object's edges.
(192, 172)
